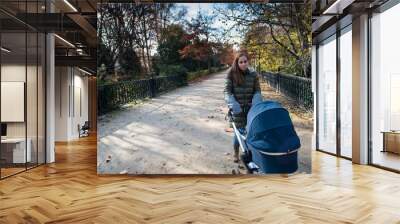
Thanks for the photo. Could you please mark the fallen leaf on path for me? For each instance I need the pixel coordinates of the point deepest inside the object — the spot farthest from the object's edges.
(228, 129)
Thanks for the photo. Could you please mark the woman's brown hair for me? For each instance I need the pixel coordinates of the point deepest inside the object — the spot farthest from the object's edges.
(235, 74)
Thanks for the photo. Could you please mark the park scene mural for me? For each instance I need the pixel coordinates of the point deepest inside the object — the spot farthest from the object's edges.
(204, 88)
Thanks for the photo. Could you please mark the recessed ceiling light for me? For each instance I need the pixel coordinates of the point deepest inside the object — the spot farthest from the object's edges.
(70, 5)
(84, 71)
(5, 50)
(64, 40)
(337, 7)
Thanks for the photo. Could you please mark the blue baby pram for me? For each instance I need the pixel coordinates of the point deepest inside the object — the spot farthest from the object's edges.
(270, 143)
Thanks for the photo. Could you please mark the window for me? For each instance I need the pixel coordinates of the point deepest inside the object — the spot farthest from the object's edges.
(23, 77)
(346, 92)
(385, 89)
(327, 95)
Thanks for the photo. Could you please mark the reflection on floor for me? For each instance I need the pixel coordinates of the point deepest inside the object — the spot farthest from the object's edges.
(70, 191)
(387, 159)
(10, 169)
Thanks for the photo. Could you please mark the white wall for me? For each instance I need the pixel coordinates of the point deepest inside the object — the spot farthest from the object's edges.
(81, 94)
(33, 126)
(70, 84)
(13, 101)
(10, 73)
(16, 73)
(62, 81)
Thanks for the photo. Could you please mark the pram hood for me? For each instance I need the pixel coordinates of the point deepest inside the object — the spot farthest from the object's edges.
(270, 129)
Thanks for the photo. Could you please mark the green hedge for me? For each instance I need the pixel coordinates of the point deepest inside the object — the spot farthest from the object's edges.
(166, 70)
(201, 73)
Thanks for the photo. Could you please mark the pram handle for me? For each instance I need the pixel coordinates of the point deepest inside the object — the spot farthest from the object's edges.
(245, 108)
(229, 115)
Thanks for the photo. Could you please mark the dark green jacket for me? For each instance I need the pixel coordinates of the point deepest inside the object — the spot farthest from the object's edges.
(243, 94)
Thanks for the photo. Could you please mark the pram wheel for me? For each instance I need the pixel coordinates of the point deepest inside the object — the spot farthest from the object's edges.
(245, 158)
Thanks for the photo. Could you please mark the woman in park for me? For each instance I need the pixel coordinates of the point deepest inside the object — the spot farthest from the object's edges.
(242, 89)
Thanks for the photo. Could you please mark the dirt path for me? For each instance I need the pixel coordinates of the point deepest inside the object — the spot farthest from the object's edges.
(180, 132)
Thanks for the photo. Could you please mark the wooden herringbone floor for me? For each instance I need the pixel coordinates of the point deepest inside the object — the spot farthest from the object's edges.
(70, 191)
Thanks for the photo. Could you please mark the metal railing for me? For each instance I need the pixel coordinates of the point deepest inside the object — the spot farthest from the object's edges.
(112, 96)
(295, 87)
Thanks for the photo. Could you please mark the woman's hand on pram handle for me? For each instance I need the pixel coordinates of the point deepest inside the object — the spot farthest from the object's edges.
(229, 115)
(244, 108)
(233, 105)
